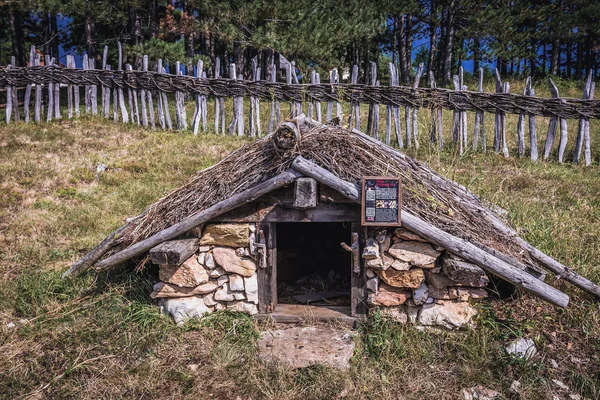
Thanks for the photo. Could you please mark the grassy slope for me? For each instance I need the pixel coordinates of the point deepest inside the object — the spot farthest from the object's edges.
(100, 336)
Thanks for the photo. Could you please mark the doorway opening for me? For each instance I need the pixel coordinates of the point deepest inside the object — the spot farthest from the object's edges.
(312, 267)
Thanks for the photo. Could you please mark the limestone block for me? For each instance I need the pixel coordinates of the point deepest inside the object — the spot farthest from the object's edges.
(236, 283)
(403, 279)
(371, 250)
(416, 253)
(189, 274)
(448, 314)
(370, 273)
(397, 314)
(372, 284)
(209, 261)
(374, 263)
(232, 263)
(243, 306)
(444, 293)
(224, 294)
(389, 296)
(217, 272)
(239, 296)
(162, 289)
(209, 300)
(464, 273)
(404, 234)
(201, 258)
(231, 235)
(251, 284)
(183, 309)
(466, 293)
(223, 279)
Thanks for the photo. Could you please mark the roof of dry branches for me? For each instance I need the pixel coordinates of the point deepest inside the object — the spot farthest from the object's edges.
(350, 156)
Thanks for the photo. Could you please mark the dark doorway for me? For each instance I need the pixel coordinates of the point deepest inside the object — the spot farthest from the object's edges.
(312, 267)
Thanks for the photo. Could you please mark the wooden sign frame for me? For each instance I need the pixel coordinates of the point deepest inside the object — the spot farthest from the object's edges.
(363, 208)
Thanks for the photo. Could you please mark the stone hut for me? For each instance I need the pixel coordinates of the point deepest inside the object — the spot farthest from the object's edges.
(274, 229)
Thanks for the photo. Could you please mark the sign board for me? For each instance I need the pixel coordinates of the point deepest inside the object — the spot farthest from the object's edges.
(381, 201)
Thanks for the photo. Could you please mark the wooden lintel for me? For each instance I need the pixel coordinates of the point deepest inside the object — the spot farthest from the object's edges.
(274, 213)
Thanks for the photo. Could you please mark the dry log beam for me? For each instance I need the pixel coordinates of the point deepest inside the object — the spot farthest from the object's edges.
(283, 179)
(455, 245)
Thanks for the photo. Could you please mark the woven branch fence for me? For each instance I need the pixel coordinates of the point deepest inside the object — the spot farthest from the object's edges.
(141, 97)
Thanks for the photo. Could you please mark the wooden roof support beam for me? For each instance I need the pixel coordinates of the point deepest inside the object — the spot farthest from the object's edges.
(455, 245)
(141, 247)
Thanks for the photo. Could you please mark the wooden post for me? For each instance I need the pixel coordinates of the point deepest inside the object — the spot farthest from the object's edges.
(37, 113)
(50, 110)
(180, 103)
(165, 104)
(149, 94)
(354, 105)
(104, 90)
(93, 90)
(498, 118)
(121, 96)
(586, 133)
(70, 61)
(311, 107)
(298, 104)
(87, 89)
(532, 131)
(237, 123)
(479, 131)
(9, 98)
(143, 98)
(318, 110)
(457, 120)
(553, 125)
(521, 123)
(505, 89)
(275, 113)
(436, 118)
(134, 96)
(130, 97)
(582, 122)
(160, 109)
(27, 98)
(254, 117)
(371, 116)
(217, 100)
(198, 113)
(288, 81)
(415, 117)
(393, 69)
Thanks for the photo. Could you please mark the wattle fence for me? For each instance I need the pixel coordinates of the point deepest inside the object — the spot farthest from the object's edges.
(140, 97)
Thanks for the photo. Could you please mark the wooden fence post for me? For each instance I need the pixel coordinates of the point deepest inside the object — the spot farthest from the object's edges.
(498, 117)
(93, 90)
(586, 133)
(27, 98)
(533, 151)
(149, 94)
(50, 110)
(70, 62)
(553, 125)
(415, 117)
(479, 130)
(198, 112)
(318, 109)
(505, 89)
(180, 103)
(298, 104)
(103, 89)
(37, 112)
(354, 105)
(436, 118)
(254, 117)
(160, 108)
(121, 96)
(582, 122)
(275, 106)
(371, 116)
(393, 70)
(238, 112)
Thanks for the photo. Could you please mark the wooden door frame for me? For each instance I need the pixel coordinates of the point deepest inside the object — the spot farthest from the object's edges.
(267, 277)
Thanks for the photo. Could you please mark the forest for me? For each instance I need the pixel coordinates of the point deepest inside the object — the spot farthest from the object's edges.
(532, 37)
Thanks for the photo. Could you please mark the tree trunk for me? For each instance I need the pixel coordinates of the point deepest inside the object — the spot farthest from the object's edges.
(409, 41)
(16, 33)
(152, 17)
(54, 36)
(569, 60)
(476, 55)
(402, 57)
(46, 29)
(433, 27)
(90, 37)
(448, 45)
(579, 60)
(555, 56)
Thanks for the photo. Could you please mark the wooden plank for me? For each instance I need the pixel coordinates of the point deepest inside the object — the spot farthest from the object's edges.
(283, 179)
(298, 313)
(274, 212)
(305, 193)
(267, 277)
(358, 278)
(173, 252)
(453, 244)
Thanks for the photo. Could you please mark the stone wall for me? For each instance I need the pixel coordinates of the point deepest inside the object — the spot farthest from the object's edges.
(220, 275)
(412, 280)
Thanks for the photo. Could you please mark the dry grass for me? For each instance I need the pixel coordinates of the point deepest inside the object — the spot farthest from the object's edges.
(100, 336)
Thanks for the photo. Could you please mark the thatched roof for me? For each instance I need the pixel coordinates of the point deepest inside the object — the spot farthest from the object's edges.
(348, 155)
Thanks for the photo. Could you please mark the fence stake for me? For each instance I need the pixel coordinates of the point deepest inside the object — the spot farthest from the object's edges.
(478, 131)
(354, 105)
(521, 124)
(532, 130)
(505, 89)
(70, 61)
(415, 119)
(198, 110)
(37, 113)
(393, 69)
(149, 94)
(121, 96)
(27, 98)
(370, 115)
(498, 117)
(50, 94)
(586, 132)
(104, 91)
(552, 127)
(582, 122)
(318, 103)
(436, 118)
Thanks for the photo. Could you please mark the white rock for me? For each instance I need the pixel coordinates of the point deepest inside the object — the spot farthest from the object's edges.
(553, 363)
(209, 300)
(244, 307)
(371, 250)
(371, 273)
(209, 261)
(515, 387)
(412, 312)
(204, 249)
(447, 314)
(251, 284)
(185, 308)
(224, 294)
(217, 272)
(220, 307)
(202, 258)
(523, 348)
(373, 284)
(560, 384)
(10, 325)
(574, 397)
(223, 279)
(239, 296)
(420, 294)
(397, 314)
(236, 283)
(480, 393)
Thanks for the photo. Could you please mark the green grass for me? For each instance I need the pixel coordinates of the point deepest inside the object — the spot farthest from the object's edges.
(100, 336)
